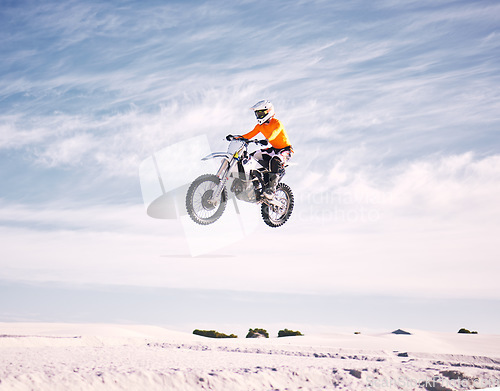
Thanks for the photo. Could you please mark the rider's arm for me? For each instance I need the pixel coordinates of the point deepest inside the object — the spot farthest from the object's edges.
(254, 132)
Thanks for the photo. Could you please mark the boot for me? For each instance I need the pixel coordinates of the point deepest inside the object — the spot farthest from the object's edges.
(271, 185)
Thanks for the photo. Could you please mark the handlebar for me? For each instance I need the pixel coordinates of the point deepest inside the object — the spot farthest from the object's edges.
(230, 137)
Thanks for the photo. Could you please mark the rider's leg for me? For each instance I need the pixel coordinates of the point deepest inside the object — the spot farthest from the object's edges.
(276, 171)
(262, 156)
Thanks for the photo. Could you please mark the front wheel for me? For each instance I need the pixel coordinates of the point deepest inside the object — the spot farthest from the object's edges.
(277, 215)
(199, 203)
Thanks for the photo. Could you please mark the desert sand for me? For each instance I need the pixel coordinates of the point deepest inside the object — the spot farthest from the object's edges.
(37, 356)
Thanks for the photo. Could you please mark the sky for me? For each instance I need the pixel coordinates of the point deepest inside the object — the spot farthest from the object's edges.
(393, 111)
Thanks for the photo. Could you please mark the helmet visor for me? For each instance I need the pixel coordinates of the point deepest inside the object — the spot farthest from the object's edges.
(261, 113)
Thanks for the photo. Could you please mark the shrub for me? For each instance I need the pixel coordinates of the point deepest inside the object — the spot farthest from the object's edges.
(252, 333)
(465, 331)
(213, 334)
(288, 333)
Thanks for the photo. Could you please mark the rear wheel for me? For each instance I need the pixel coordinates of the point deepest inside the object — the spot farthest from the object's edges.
(277, 215)
(199, 204)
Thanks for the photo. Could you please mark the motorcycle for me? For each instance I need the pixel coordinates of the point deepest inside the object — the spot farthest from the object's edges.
(246, 178)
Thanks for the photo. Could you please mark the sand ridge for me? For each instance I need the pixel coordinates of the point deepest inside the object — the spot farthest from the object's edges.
(118, 357)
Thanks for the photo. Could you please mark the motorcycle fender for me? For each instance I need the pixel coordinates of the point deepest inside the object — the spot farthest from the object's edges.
(216, 155)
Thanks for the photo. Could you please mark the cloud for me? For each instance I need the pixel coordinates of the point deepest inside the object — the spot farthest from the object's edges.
(439, 186)
(109, 89)
(455, 185)
(70, 216)
(358, 79)
(425, 228)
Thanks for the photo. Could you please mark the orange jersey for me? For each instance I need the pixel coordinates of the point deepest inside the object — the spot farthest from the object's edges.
(273, 131)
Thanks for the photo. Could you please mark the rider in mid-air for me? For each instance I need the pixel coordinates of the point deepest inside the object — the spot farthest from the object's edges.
(275, 157)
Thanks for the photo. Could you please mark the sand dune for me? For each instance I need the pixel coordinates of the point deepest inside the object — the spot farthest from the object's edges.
(116, 357)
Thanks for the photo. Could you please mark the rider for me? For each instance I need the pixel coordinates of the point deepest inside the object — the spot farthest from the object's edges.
(275, 157)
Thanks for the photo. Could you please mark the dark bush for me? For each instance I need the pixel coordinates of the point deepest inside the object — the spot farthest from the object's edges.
(254, 333)
(465, 331)
(288, 333)
(213, 334)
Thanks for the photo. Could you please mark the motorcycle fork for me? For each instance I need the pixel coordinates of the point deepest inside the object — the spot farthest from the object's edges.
(223, 176)
(222, 172)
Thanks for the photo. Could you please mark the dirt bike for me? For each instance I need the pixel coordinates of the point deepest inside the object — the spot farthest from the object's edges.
(246, 178)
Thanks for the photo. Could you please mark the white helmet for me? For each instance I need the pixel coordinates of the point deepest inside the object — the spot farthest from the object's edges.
(264, 111)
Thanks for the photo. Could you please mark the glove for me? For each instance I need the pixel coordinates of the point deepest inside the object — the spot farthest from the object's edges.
(229, 137)
(264, 142)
